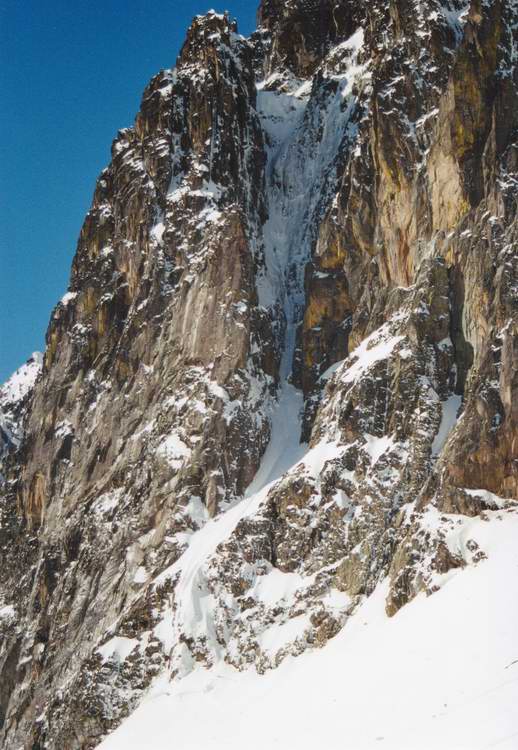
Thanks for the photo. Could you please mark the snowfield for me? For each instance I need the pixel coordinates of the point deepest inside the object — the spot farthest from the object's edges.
(442, 674)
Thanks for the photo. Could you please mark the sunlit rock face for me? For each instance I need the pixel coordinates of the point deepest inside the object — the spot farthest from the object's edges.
(286, 366)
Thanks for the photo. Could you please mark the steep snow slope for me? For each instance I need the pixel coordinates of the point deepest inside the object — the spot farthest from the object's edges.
(442, 674)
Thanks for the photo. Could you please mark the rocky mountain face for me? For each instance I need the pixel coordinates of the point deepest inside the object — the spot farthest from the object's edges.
(286, 368)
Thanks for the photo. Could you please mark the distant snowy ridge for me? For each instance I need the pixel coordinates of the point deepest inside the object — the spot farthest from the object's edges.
(12, 394)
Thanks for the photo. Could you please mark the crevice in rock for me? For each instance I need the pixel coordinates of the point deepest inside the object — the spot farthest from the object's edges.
(463, 350)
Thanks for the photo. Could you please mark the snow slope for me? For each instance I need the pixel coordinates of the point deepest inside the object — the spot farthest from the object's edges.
(440, 675)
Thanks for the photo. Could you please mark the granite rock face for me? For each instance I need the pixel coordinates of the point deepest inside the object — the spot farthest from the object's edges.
(286, 368)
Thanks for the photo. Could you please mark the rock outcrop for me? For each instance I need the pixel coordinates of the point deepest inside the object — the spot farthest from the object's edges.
(286, 368)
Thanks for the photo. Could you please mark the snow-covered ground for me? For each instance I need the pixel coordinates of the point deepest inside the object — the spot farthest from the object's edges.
(440, 675)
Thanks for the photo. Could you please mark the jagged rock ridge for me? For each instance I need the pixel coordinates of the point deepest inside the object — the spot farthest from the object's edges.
(286, 367)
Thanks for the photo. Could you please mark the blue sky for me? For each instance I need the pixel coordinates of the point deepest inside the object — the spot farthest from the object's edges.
(71, 74)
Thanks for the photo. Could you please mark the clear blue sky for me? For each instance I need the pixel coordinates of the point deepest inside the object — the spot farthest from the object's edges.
(71, 74)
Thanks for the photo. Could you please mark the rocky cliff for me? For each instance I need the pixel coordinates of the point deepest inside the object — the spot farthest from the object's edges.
(286, 368)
